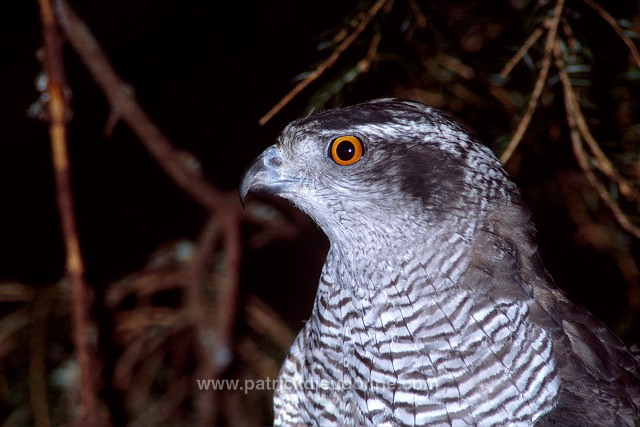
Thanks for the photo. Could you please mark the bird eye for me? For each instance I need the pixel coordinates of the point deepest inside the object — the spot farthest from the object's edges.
(346, 150)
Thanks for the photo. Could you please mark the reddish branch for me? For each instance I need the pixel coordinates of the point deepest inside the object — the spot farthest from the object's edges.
(545, 64)
(126, 107)
(578, 133)
(616, 27)
(328, 63)
(88, 409)
(214, 338)
(224, 210)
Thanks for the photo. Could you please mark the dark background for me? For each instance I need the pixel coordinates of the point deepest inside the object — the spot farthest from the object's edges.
(205, 74)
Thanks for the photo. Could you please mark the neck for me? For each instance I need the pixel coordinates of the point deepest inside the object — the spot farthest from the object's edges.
(420, 302)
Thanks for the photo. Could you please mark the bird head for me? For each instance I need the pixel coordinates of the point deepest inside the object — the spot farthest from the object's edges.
(382, 168)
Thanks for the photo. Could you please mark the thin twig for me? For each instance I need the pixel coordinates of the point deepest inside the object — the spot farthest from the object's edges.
(328, 63)
(419, 17)
(539, 85)
(252, 355)
(141, 386)
(364, 64)
(506, 70)
(614, 24)
(227, 293)
(599, 235)
(122, 101)
(16, 292)
(602, 162)
(143, 284)
(583, 161)
(572, 108)
(166, 323)
(11, 326)
(262, 319)
(88, 405)
(158, 412)
(215, 344)
(37, 367)
(207, 343)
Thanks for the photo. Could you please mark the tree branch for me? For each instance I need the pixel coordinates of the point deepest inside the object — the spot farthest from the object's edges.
(124, 104)
(531, 40)
(573, 113)
(328, 63)
(614, 24)
(88, 405)
(539, 85)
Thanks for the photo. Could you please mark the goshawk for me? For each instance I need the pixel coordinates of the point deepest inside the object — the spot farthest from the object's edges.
(433, 306)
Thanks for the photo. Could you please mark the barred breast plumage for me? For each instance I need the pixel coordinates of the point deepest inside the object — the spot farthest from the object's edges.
(433, 306)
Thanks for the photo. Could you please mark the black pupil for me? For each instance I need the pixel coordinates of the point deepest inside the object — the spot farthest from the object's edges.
(345, 150)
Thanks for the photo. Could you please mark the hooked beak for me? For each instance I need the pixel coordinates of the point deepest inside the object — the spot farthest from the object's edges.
(264, 175)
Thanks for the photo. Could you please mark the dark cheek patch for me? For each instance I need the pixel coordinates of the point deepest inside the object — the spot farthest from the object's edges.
(422, 172)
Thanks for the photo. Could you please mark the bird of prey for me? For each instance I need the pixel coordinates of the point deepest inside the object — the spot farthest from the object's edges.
(433, 306)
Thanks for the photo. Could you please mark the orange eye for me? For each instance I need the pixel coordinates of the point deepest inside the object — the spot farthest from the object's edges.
(346, 150)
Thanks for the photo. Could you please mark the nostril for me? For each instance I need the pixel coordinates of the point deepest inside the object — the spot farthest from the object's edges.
(275, 161)
(271, 159)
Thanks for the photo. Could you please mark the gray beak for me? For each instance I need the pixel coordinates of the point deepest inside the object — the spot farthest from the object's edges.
(264, 174)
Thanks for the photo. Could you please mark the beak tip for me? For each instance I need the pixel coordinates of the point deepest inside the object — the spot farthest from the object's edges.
(243, 198)
(262, 175)
(245, 187)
